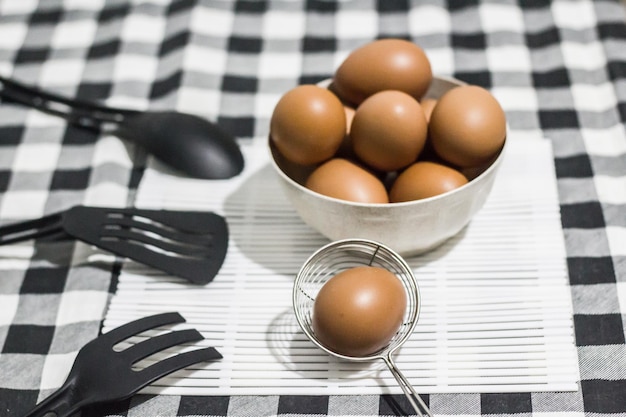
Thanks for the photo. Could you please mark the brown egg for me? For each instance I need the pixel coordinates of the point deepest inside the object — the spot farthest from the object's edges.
(428, 104)
(358, 311)
(389, 130)
(345, 180)
(308, 124)
(467, 126)
(386, 64)
(425, 179)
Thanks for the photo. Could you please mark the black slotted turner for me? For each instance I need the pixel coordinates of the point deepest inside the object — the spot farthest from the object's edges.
(101, 374)
(189, 244)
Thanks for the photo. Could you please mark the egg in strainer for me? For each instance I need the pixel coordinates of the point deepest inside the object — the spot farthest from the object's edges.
(340, 256)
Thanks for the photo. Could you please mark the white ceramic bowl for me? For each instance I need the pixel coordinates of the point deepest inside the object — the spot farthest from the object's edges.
(410, 227)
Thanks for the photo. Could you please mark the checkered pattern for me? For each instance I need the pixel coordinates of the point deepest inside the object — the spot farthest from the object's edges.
(558, 68)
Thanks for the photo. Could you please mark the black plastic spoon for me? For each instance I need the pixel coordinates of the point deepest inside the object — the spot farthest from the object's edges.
(187, 143)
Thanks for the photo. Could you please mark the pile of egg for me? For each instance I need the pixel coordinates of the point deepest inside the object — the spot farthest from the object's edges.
(372, 137)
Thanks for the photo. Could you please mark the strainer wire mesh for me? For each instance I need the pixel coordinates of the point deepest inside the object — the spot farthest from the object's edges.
(339, 256)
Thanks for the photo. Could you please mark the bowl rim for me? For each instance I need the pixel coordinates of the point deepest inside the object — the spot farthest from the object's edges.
(493, 166)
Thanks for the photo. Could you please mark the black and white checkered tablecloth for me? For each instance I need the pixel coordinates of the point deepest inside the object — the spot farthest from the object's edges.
(558, 68)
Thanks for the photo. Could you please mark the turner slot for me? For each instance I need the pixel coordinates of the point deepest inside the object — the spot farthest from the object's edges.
(134, 221)
(155, 243)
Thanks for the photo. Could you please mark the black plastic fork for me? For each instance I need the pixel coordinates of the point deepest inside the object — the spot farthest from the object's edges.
(101, 374)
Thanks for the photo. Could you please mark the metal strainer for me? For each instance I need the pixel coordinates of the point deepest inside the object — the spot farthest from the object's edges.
(339, 256)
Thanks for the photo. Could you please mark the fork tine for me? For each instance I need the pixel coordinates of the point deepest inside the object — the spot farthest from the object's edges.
(158, 343)
(174, 363)
(135, 327)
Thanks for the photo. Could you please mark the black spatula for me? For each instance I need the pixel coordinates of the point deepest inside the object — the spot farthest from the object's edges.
(189, 244)
(101, 374)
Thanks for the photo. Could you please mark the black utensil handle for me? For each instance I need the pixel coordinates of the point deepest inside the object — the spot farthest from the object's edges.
(47, 226)
(78, 112)
(59, 404)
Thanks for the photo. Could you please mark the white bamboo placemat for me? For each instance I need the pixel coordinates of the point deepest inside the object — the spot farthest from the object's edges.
(496, 313)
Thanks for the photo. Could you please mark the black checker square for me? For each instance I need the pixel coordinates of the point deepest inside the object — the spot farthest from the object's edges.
(559, 119)
(604, 396)
(586, 215)
(245, 44)
(210, 406)
(239, 84)
(76, 179)
(506, 403)
(15, 402)
(598, 329)
(303, 404)
(319, 44)
(589, 271)
(575, 166)
(44, 280)
(25, 338)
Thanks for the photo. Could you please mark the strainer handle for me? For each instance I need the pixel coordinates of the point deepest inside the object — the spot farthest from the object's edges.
(416, 401)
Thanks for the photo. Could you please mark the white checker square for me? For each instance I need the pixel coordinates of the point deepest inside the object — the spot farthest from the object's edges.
(17, 7)
(559, 414)
(135, 67)
(12, 34)
(9, 304)
(83, 5)
(501, 17)
(106, 194)
(211, 22)
(441, 60)
(36, 157)
(55, 370)
(583, 56)
(143, 28)
(617, 240)
(356, 24)
(110, 149)
(79, 33)
(80, 306)
(279, 65)
(605, 142)
(205, 59)
(508, 58)
(595, 98)
(60, 71)
(611, 190)
(23, 204)
(264, 104)
(283, 25)
(516, 98)
(198, 101)
(573, 14)
(427, 20)
(37, 118)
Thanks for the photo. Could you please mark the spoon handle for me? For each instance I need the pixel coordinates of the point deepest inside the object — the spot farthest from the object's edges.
(416, 401)
(78, 112)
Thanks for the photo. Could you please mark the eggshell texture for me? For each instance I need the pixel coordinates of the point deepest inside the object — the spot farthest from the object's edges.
(345, 180)
(358, 311)
(389, 130)
(425, 179)
(467, 126)
(386, 64)
(308, 124)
